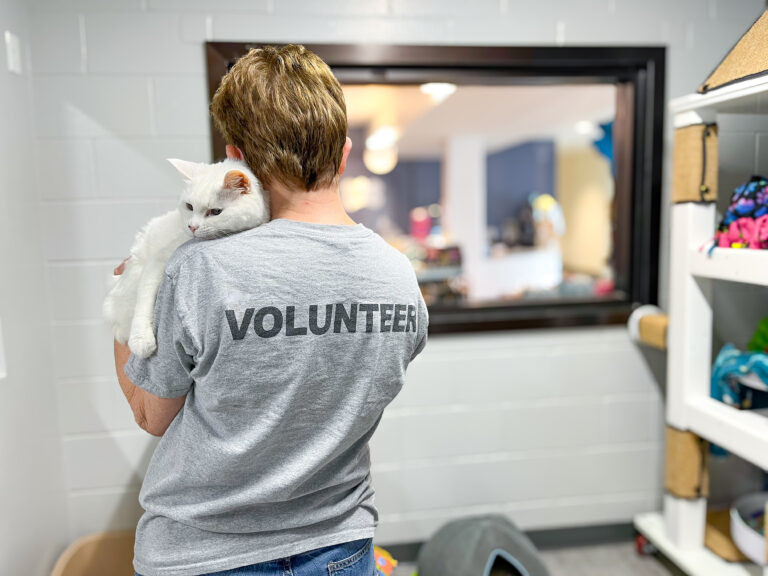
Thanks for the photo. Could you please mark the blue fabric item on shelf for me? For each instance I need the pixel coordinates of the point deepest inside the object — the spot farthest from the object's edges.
(731, 364)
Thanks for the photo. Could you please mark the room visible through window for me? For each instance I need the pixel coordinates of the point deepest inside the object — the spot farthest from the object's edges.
(497, 194)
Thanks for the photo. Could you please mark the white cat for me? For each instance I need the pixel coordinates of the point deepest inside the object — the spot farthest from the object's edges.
(218, 199)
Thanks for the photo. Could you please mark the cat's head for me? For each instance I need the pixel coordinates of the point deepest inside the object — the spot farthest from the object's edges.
(220, 199)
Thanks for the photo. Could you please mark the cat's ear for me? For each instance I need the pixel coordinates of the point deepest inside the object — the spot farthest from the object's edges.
(237, 181)
(187, 169)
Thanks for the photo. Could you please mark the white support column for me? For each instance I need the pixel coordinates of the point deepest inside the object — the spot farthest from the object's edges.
(685, 521)
(690, 348)
(690, 354)
(690, 314)
(464, 203)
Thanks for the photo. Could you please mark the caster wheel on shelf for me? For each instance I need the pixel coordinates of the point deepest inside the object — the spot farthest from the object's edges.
(643, 546)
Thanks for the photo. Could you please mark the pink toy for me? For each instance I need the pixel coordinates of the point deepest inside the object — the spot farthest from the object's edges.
(745, 233)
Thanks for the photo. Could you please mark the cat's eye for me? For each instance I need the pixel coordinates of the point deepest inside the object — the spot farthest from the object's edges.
(214, 211)
(189, 207)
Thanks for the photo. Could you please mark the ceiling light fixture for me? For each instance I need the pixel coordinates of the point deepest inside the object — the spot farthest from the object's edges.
(382, 138)
(381, 161)
(586, 128)
(438, 91)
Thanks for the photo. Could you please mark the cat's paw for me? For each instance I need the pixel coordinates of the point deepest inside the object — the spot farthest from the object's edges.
(121, 331)
(121, 334)
(143, 344)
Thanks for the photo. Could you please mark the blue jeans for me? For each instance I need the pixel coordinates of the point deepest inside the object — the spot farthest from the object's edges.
(348, 559)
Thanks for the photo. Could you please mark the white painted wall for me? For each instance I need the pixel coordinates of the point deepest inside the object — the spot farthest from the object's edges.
(557, 428)
(32, 498)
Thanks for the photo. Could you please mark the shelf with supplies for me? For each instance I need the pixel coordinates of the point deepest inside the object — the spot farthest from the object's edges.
(692, 415)
(741, 432)
(696, 561)
(438, 273)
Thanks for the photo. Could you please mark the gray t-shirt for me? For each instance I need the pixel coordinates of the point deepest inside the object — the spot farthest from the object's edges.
(289, 341)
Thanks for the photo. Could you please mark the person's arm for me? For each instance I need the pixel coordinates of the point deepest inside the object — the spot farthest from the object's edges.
(152, 413)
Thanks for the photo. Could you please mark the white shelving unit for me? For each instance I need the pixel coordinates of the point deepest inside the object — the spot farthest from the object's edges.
(747, 266)
(679, 531)
(693, 560)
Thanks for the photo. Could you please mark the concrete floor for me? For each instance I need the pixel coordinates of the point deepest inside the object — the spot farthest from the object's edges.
(603, 560)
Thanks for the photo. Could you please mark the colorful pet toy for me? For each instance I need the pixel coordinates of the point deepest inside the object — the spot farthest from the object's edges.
(745, 223)
(384, 561)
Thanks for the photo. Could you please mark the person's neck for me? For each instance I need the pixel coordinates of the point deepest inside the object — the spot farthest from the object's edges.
(321, 206)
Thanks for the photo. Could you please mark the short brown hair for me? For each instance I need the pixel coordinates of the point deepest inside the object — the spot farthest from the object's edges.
(285, 110)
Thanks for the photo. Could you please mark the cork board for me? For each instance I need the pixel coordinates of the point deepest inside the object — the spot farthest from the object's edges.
(653, 330)
(685, 469)
(747, 59)
(695, 164)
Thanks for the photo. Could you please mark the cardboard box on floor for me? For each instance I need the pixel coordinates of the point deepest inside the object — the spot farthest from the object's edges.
(98, 555)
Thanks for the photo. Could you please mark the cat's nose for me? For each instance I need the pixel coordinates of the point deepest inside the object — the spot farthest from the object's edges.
(193, 228)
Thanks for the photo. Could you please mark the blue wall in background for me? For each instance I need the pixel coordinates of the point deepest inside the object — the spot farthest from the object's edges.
(513, 173)
(410, 184)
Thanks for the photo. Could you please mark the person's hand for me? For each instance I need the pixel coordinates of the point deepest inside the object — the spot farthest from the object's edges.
(121, 267)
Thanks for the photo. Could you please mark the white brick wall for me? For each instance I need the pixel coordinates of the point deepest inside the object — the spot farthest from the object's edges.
(511, 421)
(33, 519)
(556, 428)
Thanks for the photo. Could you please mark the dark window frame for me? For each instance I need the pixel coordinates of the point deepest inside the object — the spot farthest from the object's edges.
(639, 73)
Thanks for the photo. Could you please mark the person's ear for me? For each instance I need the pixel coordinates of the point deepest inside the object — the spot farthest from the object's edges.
(345, 155)
(234, 153)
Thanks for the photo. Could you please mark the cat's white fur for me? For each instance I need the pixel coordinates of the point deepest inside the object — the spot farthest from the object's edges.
(228, 186)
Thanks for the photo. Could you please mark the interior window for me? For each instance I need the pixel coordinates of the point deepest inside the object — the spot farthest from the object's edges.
(497, 194)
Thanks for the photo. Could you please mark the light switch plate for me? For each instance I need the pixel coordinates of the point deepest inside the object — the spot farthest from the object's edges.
(3, 368)
(13, 52)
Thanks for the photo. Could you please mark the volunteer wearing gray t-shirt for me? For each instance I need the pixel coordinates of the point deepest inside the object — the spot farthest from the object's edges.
(278, 350)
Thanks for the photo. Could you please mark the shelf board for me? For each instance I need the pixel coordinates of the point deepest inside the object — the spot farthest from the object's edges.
(732, 264)
(745, 97)
(695, 562)
(742, 432)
